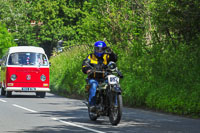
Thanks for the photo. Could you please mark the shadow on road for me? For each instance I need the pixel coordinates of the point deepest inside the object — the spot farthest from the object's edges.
(52, 129)
(22, 96)
(133, 120)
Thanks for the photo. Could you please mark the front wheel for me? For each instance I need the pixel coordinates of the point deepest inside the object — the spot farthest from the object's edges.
(3, 92)
(8, 93)
(115, 112)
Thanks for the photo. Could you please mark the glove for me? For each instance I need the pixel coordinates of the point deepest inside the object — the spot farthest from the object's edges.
(108, 49)
(120, 74)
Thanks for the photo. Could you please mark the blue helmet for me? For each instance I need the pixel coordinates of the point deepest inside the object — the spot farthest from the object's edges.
(99, 48)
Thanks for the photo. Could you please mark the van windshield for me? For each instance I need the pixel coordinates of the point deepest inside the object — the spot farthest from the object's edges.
(23, 58)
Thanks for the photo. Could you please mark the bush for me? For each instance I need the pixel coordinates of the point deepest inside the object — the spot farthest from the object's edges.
(167, 81)
(65, 72)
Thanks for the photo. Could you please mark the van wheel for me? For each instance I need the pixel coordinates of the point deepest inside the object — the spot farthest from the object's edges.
(41, 94)
(3, 92)
(8, 93)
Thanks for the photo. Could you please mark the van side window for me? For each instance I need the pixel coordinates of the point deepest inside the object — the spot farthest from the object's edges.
(45, 63)
(42, 60)
(13, 59)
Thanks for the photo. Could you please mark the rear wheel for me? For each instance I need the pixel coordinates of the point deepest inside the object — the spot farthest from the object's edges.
(115, 113)
(92, 116)
(41, 94)
(3, 92)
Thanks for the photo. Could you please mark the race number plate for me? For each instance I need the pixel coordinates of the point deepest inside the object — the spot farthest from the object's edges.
(112, 79)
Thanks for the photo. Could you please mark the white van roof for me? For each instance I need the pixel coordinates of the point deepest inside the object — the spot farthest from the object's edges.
(26, 49)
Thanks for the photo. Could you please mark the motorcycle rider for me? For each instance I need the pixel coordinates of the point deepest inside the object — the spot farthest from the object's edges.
(99, 60)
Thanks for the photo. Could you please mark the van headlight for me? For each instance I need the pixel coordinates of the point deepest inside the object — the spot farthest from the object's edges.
(13, 77)
(43, 77)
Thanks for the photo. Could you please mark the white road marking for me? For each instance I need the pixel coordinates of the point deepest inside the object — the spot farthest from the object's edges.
(3, 101)
(33, 111)
(72, 124)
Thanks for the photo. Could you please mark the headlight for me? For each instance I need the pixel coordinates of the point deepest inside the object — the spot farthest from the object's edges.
(112, 65)
(43, 78)
(13, 77)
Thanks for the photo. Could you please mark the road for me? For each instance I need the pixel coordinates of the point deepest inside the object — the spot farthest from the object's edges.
(24, 112)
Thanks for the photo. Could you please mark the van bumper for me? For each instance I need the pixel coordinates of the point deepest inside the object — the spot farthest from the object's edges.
(27, 89)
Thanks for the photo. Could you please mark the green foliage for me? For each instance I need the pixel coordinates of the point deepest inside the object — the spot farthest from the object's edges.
(176, 19)
(157, 43)
(6, 39)
(113, 22)
(157, 46)
(15, 14)
(67, 78)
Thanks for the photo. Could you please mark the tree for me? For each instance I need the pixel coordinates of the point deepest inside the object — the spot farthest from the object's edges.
(115, 22)
(6, 39)
(17, 17)
(178, 20)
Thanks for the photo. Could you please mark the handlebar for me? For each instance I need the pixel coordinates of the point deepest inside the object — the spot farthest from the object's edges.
(105, 71)
(120, 74)
(117, 71)
(92, 71)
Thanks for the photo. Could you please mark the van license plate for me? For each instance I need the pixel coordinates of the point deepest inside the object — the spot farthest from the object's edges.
(28, 89)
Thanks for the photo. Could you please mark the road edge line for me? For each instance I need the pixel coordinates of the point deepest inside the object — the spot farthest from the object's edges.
(75, 125)
(3, 101)
(30, 110)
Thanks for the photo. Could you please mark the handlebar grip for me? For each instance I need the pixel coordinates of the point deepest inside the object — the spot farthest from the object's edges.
(120, 74)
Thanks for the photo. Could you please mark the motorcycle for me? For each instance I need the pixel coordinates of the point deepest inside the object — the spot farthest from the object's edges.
(108, 95)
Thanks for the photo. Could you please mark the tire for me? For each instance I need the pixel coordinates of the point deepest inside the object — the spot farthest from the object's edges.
(8, 93)
(92, 116)
(3, 92)
(115, 113)
(37, 94)
(41, 94)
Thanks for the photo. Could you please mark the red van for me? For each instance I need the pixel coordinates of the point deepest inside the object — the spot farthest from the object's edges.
(25, 69)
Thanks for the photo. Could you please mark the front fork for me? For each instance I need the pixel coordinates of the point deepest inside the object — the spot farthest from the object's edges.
(114, 91)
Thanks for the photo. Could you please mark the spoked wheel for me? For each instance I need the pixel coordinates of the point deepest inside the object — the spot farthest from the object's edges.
(3, 92)
(92, 116)
(115, 113)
